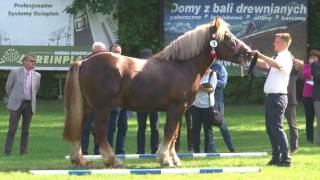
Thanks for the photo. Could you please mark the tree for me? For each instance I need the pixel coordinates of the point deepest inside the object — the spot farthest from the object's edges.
(314, 24)
(140, 24)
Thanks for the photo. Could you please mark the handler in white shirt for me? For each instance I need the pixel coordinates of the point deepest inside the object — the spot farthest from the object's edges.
(276, 100)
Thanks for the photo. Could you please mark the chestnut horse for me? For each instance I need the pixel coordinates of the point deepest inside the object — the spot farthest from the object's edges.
(166, 82)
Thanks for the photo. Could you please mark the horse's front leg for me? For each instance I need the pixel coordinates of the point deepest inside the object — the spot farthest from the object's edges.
(166, 152)
(100, 126)
(172, 150)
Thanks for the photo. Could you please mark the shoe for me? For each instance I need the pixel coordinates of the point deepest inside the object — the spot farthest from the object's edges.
(284, 163)
(232, 150)
(273, 162)
(294, 151)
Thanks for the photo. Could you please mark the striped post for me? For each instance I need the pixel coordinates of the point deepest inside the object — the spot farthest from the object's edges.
(149, 171)
(182, 155)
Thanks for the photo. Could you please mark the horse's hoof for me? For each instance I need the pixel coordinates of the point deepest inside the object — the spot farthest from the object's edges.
(117, 163)
(176, 162)
(82, 163)
(166, 163)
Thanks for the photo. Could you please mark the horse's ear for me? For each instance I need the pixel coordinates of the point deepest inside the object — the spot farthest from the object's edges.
(217, 22)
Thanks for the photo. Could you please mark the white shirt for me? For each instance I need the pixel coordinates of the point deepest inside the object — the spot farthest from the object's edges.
(202, 98)
(277, 80)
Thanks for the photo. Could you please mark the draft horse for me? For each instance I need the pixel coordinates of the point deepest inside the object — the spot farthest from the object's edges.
(167, 82)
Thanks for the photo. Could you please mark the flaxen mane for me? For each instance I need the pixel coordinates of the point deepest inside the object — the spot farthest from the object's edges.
(192, 42)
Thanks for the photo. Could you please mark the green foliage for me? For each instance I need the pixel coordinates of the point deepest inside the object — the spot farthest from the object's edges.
(314, 24)
(102, 6)
(244, 90)
(49, 86)
(139, 25)
(241, 90)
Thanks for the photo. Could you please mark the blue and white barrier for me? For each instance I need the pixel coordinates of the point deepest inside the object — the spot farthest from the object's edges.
(182, 155)
(148, 171)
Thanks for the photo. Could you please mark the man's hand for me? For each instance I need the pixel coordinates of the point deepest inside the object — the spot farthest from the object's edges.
(255, 53)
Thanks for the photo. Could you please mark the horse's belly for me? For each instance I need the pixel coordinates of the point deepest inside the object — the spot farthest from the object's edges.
(142, 102)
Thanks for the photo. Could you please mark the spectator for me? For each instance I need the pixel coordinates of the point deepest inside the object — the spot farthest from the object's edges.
(142, 122)
(307, 98)
(315, 70)
(222, 76)
(291, 109)
(201, 112)
(85, 136)
(118, 119)
(276, 100)
(22, 87)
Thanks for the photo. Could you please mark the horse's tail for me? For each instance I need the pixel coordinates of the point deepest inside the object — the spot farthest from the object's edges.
(73, 104)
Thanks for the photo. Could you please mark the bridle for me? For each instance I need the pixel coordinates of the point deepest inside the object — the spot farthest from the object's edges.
(214, 43)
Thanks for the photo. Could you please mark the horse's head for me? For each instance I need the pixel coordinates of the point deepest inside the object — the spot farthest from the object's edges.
(229, 47)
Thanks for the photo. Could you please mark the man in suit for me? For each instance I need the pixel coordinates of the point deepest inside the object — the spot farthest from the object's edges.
(22, 87)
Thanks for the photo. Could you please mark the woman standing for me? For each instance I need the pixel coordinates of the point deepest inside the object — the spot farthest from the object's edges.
(201, 112)
(315, 70)
(307, 99)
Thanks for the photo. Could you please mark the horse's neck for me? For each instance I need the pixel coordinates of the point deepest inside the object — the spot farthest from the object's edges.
(201, 63)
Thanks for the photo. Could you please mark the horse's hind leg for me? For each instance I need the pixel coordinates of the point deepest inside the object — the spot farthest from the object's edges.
(76, 156)
(166, 150)
(99, 128)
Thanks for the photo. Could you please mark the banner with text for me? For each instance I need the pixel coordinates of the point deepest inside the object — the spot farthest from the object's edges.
(43, 28)
(254, 22)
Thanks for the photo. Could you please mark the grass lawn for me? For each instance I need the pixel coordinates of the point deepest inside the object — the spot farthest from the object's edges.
(246, 123)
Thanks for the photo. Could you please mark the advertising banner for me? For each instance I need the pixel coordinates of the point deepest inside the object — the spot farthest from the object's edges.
(254, 22)
(43, 28)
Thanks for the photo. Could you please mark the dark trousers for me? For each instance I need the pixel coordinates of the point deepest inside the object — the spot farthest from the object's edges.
(119, 120)
(26, 111)
(291, 118)
(154, 126)
(275, 106)
(85, 136)
(224, 128)
(201, 117)
(309, 113)
(188, 118)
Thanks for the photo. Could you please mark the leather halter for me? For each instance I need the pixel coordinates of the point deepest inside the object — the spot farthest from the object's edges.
(213, 42)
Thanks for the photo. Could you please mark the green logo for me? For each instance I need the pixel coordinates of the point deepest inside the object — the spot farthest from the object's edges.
(11, 56)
